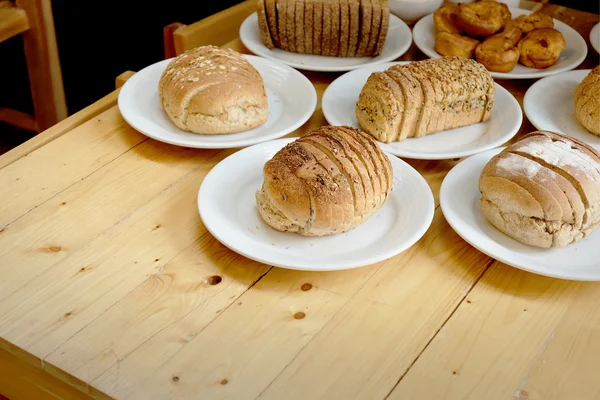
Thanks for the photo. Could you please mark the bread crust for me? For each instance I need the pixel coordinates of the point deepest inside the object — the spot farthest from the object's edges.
(300, 26)
(383, 31)
(543, 190)
(335, 28)
(344, 27)
(375, 26)
(587, 101)
(308, 26)
(366, 14)
(263, 24)
(327, 182)
(318, 9)
(282, 23)
(209, 90)
(271, 11)
(353, 36)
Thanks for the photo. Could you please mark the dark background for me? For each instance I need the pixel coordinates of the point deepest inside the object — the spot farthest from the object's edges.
(99, 40)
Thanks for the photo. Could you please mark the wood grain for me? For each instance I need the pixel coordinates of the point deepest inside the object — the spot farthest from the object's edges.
(13, 20)
(110, 283)
(496, 339)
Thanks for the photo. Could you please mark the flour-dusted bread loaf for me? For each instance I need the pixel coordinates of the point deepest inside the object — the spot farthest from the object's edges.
(543, 190)
(423, 97)
(209, 90)
(335, 28)
(587, 101)
(326, 182)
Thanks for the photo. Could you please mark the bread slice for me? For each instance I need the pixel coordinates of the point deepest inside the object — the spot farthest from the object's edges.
(378, 108)
(342, 211)
(346, 167)
(375, 26)
(271, 13)
(354, 29)
(318, 7)
(263, 24)
(281, 7)
(291, 24)
(326, 37)
(300, 26)
(366, 16)
(344, 27)
(413, 107)
(421, 75)
(335, 28)
(308, 26)
(383, 30)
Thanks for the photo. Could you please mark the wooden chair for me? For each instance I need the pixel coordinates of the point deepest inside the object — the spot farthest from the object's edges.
(216, 29)
(33, 19)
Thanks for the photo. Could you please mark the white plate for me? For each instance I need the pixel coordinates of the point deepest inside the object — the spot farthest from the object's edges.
(399, 39)
(549, 105)
(341, 96)
(292, 101)
(227, 206)
(595, 37)
(459, 200)
(570, 58)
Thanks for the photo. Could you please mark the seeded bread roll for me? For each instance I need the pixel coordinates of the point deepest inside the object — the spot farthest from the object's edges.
(543, 190)
(209, 90)
(423, 97)
(587, 101)
(326, 182)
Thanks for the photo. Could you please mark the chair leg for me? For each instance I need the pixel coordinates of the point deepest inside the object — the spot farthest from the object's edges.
(43, 64)
(168, 41)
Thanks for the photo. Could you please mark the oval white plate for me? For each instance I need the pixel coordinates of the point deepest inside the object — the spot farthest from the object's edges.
(459, 200)
(399, 39)
(549, 105)
(595, 37)
(227, 206)
(571, 57)
(341, 96)
(292, 101)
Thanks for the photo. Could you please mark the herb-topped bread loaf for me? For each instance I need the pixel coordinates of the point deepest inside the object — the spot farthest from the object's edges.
(423, 97)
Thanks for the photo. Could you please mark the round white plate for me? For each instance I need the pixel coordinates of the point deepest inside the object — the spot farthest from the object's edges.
(570, 58)
(399, 39)
(227, 206)
(595, 37)
(459, 200)
(549, 105)
(340, 98)
(292, 101)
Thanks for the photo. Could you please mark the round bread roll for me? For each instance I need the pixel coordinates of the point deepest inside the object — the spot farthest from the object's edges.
(209, 90)
(326, 182)
(543, 190)
(587, 101)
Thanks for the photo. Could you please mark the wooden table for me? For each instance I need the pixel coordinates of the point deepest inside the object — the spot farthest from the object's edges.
(110, 286)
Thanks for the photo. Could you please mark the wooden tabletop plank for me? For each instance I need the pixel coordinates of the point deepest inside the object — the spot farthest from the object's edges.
(110, 278)
(499, 337)
(97, 142)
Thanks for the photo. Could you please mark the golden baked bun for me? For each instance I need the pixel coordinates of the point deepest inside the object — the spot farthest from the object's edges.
(444, 18)
(453, 44)
(497, 54)
(326, 182)
(527, 23)
(483, 18)
(541, 48)
(587, 101)
(543, 190)
(209, 90)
